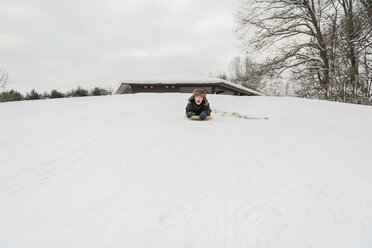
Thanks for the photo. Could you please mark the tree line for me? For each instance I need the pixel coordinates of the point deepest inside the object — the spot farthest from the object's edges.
(13, 95)
(324, 45)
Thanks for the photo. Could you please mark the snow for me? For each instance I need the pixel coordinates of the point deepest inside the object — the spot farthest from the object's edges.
(131, 171)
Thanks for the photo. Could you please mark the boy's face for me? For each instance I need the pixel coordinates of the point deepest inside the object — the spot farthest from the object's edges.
(198, 99)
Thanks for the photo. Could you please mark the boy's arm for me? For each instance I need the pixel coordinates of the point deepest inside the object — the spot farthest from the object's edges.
(189, 108)
(208, 109)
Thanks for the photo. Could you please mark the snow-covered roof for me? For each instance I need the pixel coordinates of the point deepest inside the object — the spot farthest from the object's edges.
(187, 80)
(174, 79)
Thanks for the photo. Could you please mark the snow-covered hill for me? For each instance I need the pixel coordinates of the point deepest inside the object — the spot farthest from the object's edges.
(130, 171)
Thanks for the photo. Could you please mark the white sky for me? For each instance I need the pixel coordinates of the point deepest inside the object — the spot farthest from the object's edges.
(47, 44)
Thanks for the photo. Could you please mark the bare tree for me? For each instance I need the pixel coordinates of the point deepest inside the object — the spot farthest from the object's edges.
(355, 30)
(367, 4)
(218, 74)
(326, 44)
(246, 72)
(4, 79)
(236, 69)
(350, 37)
(295, 27)
(365, 59)
(355, 39)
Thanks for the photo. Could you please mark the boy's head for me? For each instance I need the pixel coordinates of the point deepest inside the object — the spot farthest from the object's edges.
(198, 96)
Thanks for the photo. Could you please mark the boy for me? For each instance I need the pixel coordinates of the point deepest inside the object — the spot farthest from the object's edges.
(198, 105)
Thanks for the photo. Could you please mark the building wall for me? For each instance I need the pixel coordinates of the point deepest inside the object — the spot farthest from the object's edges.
(158, 88)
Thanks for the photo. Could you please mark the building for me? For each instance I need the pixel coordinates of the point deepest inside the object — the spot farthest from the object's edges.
(184, 85)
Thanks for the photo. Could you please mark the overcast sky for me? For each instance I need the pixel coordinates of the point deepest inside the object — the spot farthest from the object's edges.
(50, 44)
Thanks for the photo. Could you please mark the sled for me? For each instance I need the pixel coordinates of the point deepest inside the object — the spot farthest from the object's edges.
(196, 118)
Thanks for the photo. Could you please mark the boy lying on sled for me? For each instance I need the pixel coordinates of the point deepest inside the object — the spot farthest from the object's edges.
(198, 105)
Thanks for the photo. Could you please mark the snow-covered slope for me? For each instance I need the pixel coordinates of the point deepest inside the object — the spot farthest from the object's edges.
(130, 171)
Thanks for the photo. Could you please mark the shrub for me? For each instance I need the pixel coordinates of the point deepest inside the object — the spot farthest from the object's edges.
(79, 91)
(56, 94)
(100, 92)
(33, 95)
(12, 95)
(45, 95)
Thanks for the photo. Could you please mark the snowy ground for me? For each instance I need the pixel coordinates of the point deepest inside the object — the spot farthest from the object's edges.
(130, 171)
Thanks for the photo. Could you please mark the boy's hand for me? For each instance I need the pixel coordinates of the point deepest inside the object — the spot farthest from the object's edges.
(203, 115)
(189, 114)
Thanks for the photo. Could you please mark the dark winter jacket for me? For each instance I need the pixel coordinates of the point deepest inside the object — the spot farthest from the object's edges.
(197, 109)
